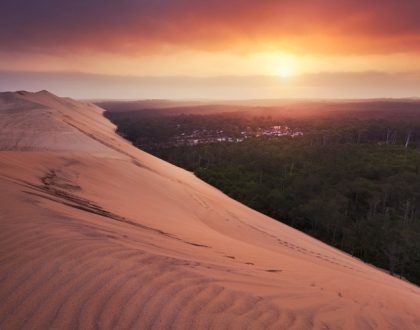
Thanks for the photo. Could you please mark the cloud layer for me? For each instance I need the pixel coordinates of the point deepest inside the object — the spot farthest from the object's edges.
(148, 26)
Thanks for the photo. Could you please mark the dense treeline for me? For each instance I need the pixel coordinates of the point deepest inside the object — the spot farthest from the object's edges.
(353, 182)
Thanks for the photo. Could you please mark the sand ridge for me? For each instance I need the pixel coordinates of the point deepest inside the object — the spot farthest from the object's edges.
(95, 234)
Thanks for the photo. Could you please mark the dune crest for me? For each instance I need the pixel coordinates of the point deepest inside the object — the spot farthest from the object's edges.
(97, 234)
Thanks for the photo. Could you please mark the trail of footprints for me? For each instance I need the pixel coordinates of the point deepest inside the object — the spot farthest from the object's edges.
(323, 257)
(295, 247)
(318, 255)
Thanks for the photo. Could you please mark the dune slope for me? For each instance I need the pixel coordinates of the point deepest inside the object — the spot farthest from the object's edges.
(95, 234)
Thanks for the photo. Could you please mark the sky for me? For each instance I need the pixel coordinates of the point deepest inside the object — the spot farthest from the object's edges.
(211, 49)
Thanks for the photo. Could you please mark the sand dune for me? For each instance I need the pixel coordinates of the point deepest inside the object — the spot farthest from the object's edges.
(95, 234)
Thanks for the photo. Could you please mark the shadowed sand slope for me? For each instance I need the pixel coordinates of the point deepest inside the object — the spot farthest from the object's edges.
(95, 234)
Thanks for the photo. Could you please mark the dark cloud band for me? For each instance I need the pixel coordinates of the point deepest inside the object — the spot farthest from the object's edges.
(149, 25)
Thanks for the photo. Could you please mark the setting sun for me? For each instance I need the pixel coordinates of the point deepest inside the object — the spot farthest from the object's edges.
(284, 72)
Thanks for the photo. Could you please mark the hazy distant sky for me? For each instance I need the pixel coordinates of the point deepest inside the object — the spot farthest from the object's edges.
(212, 48)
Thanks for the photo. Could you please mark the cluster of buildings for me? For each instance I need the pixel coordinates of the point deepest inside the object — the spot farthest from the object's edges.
(203, 136)
(279, 131)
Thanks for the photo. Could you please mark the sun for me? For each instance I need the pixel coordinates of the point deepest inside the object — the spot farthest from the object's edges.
(284, 71)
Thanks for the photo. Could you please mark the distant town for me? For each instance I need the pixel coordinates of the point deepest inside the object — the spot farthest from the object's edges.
(204, 136)
(151, 132)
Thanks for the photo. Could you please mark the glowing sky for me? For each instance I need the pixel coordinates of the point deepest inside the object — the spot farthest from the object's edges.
(303, 43)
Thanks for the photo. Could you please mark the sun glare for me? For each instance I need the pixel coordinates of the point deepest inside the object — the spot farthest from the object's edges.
(284, 72)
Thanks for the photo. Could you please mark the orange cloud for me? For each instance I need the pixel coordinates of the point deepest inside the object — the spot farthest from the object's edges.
(146, 26)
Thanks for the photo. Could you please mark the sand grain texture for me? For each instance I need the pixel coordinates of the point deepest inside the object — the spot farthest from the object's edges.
(95, 234)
